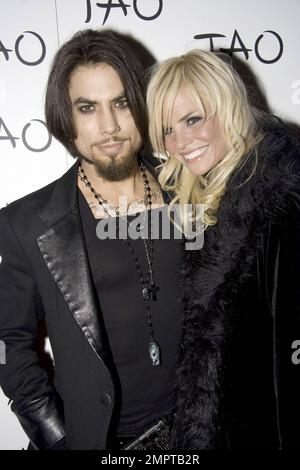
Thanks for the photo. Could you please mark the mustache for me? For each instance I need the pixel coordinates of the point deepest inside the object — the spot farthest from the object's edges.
(111, 140)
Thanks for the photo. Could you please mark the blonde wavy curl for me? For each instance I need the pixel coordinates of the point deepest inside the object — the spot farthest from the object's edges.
(215, 86)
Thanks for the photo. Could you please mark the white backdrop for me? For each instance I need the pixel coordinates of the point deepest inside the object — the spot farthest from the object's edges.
(264, 33)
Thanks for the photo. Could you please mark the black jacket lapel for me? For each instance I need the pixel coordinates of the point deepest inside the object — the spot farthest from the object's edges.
(64, 252)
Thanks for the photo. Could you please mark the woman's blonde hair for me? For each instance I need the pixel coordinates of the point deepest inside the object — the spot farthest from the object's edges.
(216, 88)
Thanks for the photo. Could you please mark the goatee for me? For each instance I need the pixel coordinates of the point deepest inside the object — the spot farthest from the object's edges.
(116, 169)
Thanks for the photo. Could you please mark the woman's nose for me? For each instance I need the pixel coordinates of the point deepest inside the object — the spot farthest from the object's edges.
(183, 138)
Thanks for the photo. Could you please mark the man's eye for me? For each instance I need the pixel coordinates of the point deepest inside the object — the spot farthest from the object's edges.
(193, 120)
(121, 104)
(86, 108)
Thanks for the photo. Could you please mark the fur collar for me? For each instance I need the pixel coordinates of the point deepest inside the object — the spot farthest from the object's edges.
(230, 248)
(246, 211)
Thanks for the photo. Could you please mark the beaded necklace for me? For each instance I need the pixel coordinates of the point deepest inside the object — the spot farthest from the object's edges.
(148, 287)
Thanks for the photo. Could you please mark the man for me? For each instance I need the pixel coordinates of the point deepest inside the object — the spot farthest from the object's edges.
(110, 305)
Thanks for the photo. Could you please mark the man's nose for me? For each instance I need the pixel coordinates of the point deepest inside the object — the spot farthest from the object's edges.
(108, 123)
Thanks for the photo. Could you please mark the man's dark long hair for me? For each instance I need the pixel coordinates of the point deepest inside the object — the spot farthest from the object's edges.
(89, 47)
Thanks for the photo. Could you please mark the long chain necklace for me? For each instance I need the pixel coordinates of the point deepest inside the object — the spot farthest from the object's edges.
(149, 289)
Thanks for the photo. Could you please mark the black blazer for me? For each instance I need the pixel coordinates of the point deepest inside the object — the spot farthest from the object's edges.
(44, 274)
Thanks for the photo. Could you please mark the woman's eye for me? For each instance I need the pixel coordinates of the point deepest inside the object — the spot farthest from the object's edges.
(193, 120)
(168, 131)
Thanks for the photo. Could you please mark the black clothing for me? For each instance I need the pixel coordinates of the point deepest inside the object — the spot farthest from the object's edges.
(45, 274)
(238, 385)
(147, 391)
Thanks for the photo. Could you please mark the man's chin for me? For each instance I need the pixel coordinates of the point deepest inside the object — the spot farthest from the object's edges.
(117, 170)
(112, 168)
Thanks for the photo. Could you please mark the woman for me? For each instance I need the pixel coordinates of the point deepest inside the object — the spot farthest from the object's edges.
(238, 378)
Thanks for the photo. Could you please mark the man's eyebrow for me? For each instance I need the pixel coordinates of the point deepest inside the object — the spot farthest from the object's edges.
(122, 96)
(82, 100)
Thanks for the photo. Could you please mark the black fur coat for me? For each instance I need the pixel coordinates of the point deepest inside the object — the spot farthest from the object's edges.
(238, 378)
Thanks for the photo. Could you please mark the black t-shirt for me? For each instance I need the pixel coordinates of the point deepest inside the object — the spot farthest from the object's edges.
(145, 392)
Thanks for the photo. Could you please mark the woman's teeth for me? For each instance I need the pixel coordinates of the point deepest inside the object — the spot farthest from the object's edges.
(196, 153)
